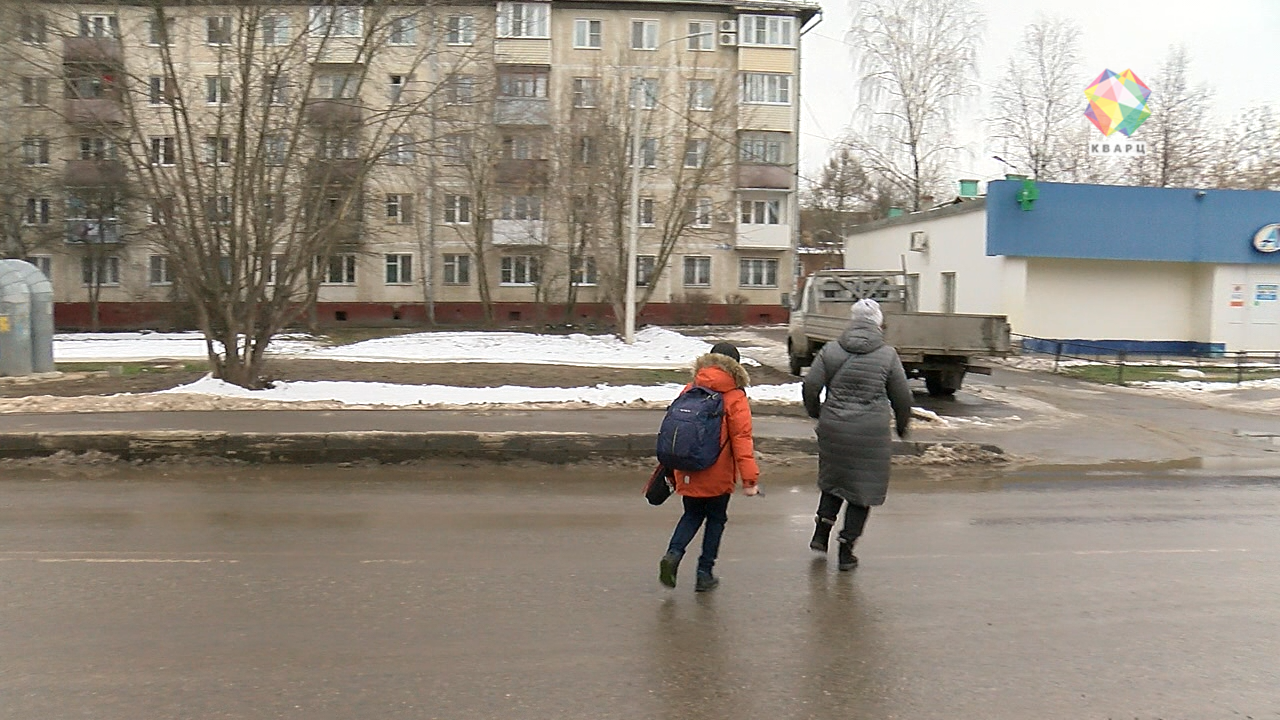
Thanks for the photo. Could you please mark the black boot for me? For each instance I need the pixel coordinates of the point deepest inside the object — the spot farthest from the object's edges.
(845, 557)
(821, 534)
(706, 582)
(668, 566)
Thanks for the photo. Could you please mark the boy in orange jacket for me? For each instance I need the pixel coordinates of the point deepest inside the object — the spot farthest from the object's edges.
(705, 493)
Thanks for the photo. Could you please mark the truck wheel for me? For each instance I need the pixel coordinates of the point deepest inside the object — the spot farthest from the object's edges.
(796, 363)
(941, 384)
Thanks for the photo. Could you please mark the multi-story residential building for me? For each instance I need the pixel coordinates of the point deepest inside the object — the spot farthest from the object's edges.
(503, 140)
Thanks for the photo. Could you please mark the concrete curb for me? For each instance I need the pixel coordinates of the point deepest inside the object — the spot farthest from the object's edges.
(331, 447)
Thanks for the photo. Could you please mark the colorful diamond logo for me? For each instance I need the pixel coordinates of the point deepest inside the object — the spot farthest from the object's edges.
(1117, 103)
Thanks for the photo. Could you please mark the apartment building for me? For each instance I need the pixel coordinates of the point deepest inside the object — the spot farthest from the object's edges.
(484, 155)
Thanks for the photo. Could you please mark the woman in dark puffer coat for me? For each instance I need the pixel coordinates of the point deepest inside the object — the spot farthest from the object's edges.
(866, 388)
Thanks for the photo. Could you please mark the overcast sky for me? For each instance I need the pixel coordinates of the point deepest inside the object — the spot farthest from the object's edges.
(1234, 46)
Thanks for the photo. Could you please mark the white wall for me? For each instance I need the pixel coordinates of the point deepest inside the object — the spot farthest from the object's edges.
(1109, 300)
(1242, 316)
(957, 243)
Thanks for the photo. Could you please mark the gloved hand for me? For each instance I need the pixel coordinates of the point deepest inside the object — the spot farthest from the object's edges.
(902, 432)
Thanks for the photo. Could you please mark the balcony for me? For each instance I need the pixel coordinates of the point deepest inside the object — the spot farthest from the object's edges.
(770, 177)
(93, 232)
(346, 231)
(764, 237)
(96, 50)
(93, 173)
(327, 112)
(508, 233)
(522, 172)
(95, 111)
(521, 111)
(325, 172)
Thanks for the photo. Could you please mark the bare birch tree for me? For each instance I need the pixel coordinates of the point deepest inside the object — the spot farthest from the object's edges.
(1248, 157)
(1037, 102)
(915, 61)
(1178, 132)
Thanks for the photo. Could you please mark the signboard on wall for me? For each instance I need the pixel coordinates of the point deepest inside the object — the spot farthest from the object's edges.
(1265, 292)
(1237, 296)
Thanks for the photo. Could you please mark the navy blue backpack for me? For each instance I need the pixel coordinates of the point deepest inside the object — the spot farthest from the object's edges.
(689, 438)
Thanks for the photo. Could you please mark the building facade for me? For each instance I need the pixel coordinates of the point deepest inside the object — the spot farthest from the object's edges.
(505, 133)
(1137, 269)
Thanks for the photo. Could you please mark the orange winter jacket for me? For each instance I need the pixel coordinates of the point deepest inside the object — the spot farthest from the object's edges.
(726, 376)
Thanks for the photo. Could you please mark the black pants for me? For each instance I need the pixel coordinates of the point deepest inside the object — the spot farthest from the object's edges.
(855, 516)
(714, 512)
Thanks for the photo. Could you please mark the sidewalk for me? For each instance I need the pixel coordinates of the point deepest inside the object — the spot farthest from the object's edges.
(304, 436)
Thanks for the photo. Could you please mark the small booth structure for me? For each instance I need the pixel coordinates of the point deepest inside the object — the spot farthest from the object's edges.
(26, 319)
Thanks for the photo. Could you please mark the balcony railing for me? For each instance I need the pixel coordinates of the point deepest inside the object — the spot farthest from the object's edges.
(335, 171)
(764, 237)
(322, 111)
(93, 232)
(519, 232)
(522, 172)
(97, 50)
(93, 173)
(95, 111)
(521, 111)
(347, 231)
(772, 177)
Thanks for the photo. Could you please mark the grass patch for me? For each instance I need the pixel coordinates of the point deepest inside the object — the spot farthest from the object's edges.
(1150, 373)
(134, 369)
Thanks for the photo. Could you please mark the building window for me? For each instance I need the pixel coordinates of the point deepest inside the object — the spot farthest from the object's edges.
(91, 222)
(648, 153)
(647, 90)
(583, 271)
(460, 89)
(160, 90)
(32, 28)
(766, 89)
(338, 147)
(456, 148)
(105, 271)
(766, 30)
(587, 33)
(160, 272)
(337, 21)
(37, 212)
(762, 212)
(97, 148)
(695, 153)
(35, 151)
(162, 151)
(521, 147)
(217, 209)
(276, 89)
(646, 267)
(522, 83)
(698, 211)
(457, 209)
(35, 91)
(645, 212)
(399, 269)
(457, 269)
(395, 87)
(337, 86)
(217, 150)
(99, 26)
(519, 270)
(217, 89)
(521, 207)
(400, 150)
(758, 272)
(160, 212)
(522, 20)
(217, 30)
(702, 35)
(702, 94)
(43, 263)
(644, 34)
(159, 32)
(403, 30)
(585, 90)
(275, 148)
(697, 271)
(400, 208)
(460, 30)
(584, 150)
(761, 148)
(338, 270)
(275, 30)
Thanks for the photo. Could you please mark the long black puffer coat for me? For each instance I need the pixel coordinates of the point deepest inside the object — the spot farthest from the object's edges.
(865, 383)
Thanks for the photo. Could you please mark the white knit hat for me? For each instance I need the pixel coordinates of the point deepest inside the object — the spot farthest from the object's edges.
(868, 309)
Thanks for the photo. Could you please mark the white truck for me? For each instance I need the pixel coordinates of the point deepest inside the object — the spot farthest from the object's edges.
(934, 346)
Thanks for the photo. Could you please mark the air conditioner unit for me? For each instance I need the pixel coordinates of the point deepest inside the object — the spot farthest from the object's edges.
(728, 26)
(919, 241)
(728, 39)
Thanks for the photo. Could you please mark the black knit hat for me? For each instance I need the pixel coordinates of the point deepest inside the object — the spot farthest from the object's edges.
(728, 350)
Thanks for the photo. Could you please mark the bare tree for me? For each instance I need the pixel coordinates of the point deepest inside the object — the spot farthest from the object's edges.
(1178, 131)
(1037, 103)
(1249, 157)
(916, 60)
(253, 169)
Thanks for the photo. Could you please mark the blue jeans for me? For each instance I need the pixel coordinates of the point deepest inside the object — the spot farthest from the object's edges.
(712, 510)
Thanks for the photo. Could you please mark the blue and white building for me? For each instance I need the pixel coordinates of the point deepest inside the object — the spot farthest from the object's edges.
(1133, 268)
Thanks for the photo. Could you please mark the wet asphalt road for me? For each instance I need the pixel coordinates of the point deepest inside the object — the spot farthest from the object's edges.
(527, 593)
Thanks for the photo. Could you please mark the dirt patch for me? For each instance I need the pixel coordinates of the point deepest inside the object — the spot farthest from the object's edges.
(151, 377)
